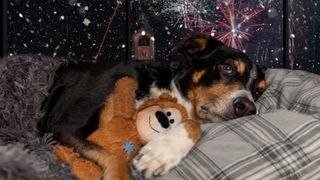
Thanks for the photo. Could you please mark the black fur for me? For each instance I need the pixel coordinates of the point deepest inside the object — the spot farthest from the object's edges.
(80, 91)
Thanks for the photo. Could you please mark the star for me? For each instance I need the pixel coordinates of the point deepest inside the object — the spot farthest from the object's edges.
(128, 147)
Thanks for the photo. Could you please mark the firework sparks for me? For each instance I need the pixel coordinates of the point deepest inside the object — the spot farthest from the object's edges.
(190, 13)
(232, 23)
(236, 23)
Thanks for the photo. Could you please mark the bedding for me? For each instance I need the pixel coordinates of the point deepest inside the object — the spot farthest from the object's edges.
(282, 142)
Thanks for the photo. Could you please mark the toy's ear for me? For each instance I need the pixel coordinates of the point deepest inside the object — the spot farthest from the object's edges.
(168, 97)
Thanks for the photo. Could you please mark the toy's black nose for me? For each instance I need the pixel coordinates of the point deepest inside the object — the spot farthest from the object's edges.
(163, 119)
(244, 107)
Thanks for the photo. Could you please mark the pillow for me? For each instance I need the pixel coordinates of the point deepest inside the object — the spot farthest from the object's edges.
(282, 142)
(276, 145)
(292, 90)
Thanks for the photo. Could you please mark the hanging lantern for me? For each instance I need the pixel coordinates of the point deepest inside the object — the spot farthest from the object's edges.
(143, 45)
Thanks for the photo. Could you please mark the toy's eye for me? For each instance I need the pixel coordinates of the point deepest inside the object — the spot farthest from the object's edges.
(173, 115)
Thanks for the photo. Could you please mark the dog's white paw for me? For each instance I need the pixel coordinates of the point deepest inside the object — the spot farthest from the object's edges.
(163, 153)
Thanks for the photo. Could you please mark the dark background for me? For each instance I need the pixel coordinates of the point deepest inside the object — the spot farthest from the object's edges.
(57, 28)
(304, 28)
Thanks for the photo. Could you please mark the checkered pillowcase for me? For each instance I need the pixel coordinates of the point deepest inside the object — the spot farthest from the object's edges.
(283, 142)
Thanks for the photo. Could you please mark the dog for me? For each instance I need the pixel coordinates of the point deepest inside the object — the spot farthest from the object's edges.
(214, 82)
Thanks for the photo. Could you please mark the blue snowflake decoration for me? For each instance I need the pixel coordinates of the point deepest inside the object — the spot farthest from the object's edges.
(128, 147)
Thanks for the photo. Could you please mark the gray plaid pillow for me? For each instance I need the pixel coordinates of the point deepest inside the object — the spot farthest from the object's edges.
(283, 142)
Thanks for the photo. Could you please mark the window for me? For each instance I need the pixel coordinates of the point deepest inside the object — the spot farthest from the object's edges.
(144, 41)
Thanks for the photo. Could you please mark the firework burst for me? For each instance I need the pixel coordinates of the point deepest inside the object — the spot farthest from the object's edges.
(189, 13)
(232, 23)
(236, 22)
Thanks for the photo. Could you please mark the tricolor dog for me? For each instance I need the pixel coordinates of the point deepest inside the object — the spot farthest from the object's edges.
(214, 82)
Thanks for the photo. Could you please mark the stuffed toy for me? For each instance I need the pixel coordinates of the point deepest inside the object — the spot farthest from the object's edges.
(123, 130)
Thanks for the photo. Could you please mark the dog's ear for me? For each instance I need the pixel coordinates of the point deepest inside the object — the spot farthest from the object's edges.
(194, 47)
(263, 68)
(199, 45)
(178, 62)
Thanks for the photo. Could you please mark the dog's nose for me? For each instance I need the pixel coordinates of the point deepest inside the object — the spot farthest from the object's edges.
(243, 107)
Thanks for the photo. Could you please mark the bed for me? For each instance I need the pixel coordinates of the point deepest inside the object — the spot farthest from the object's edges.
(281, 142)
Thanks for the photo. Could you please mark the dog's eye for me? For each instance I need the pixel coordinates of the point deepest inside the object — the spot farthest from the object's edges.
(258, 93)
(168, 113)
(227, 69)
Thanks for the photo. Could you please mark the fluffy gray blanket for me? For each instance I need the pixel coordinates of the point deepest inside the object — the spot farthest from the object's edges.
(24, 84)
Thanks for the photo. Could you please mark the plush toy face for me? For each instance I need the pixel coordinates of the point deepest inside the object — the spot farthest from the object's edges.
(154, 120)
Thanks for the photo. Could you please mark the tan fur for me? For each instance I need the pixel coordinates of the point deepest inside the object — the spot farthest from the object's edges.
(100, 157)
(115, 167)
(117, 112)
(192, 96)
(197, 75)
(106, 114)
(193, 129)
(262, 84)
(208, 94)
(118, 169)
(241, 67)
(198, 45)
(111, 162)
(81, 168)
(213, 94)
(202, 43)
(125, 91)
(165, 101)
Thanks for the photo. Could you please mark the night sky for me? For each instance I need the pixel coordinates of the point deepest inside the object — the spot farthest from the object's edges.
(74, 28)
(305, 35)
(173, 20)
(68, 28)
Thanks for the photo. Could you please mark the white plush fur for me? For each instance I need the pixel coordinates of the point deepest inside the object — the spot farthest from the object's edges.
(164, 152)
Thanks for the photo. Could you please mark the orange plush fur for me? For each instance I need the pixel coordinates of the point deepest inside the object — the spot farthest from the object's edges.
(117, 126)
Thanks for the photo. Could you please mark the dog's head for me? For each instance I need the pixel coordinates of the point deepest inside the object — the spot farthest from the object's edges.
(220, 81)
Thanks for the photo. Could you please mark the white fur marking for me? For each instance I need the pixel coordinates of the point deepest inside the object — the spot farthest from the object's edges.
(155, 92)
(242, 93)
(252, 76)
